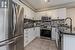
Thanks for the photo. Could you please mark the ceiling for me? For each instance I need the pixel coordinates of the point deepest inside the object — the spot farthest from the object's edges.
(41, 5)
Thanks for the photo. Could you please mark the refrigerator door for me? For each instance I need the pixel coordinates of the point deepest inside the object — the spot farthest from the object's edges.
(18, 14)
(10, 20)
(4, 20)
(18, 29)
(9, 30)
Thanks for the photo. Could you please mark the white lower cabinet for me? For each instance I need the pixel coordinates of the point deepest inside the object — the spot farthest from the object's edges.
(30, 34)
(26, 37)
(55, 35)
(37, 31)
(68, 42)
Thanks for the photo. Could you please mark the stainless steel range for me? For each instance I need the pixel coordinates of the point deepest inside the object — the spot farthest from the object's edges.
(11, 26)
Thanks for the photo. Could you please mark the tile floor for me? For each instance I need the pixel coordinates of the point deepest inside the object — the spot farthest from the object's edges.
(41, 44)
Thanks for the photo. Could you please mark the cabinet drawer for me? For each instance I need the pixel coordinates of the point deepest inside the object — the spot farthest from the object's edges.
(25, 36)
(25, 30)
(25, 40)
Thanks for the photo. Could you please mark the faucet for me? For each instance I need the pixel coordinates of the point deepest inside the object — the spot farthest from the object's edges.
(70, 23)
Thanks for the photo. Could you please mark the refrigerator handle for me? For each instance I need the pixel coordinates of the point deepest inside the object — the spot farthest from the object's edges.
(6, 43)
(14, 20)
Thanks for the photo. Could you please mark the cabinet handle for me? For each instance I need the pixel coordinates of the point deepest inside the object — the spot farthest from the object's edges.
(26, 41)
(33, 28)
(26, 33)
(26, 36)
(26, 30)
(55, 30)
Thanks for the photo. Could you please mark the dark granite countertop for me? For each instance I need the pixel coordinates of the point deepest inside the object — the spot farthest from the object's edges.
(66, 33)
(62, 33)
(31, 27)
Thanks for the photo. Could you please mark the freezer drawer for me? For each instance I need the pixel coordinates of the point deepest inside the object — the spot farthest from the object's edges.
(7, 45)
(15, 43)
(20, 43)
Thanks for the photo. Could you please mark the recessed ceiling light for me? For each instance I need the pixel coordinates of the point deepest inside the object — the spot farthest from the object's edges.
(47, 0)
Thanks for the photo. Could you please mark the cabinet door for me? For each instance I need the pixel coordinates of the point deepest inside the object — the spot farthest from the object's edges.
(61, 13)
(53, 33)
(32, 33)
(57, 37)
(25, 37)
(25, 33)
(37, 31)
(68, 42)
(38, 16)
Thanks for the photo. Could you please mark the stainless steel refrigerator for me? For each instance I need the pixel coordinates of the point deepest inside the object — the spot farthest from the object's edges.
(11, 26)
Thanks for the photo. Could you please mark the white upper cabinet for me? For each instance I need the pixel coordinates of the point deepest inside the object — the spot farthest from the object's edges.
(61, 13)
(54, 14)
(38, 16)
(29, 14)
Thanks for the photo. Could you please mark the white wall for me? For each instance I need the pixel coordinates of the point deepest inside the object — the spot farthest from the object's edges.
(61, 13)
(71, 13)
(27, 11)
